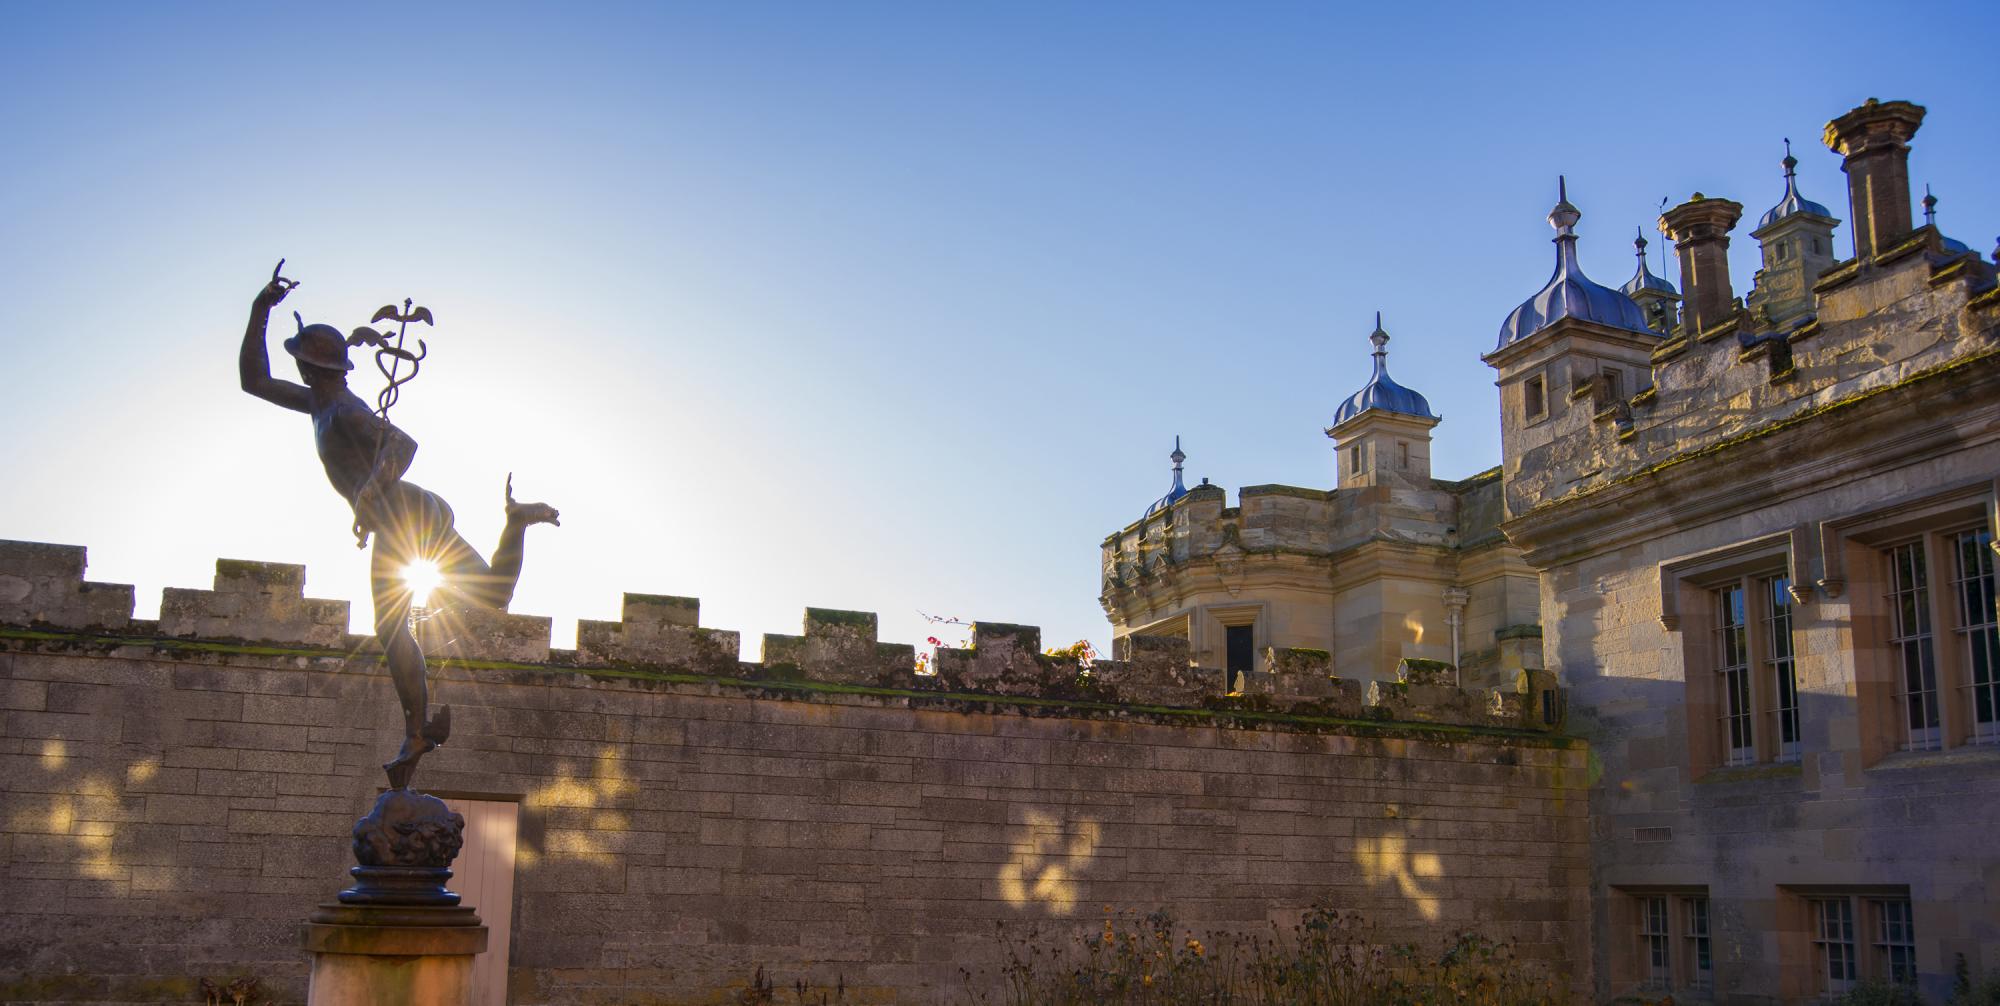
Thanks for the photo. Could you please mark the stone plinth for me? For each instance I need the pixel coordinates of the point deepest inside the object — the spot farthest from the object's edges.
(392, 955)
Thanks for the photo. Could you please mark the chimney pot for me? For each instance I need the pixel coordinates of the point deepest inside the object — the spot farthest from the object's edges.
(1873, 142)
(1700, 232)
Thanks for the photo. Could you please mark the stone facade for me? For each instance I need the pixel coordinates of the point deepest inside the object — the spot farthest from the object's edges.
(1372, 573)
(1743, 559)
(177, 795)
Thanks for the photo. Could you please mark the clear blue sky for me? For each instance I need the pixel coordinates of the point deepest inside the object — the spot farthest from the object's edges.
(889, 307)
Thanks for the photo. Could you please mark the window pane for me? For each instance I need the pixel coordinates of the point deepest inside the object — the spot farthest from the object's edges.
(1973, 586)
(1653, 939)
(1778, 630)
(1895, 941)
(1733, 677)
(1696, 912)
(1910, 609)
(1833, 943)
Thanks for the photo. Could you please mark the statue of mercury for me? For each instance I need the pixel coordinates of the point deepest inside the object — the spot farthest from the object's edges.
(365, 457)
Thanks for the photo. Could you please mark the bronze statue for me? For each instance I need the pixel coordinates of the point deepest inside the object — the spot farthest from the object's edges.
(365, 457)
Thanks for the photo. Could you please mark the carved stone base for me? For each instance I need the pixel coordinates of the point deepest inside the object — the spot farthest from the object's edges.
(400, 885)
(392, 954)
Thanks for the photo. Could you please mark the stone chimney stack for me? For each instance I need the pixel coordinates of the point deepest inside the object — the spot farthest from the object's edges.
(1700, 232)
(1874, 143)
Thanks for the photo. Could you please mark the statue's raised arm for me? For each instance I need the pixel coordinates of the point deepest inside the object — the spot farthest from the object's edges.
(253, 362)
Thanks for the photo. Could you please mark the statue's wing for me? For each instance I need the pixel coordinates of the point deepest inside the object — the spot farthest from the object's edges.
(422, 314)
(387, 313)
(368, 336)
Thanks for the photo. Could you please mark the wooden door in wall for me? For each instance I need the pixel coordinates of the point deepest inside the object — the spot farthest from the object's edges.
(483, 876)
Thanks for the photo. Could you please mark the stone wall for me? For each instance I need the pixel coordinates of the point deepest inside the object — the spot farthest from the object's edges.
(1787, 466)
(177, 794)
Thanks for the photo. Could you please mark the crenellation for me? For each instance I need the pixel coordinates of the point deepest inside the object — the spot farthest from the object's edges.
(658, 631)
(43, 584)
(261, 601)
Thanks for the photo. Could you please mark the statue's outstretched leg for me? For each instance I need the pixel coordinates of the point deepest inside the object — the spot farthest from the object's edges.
(491, 585)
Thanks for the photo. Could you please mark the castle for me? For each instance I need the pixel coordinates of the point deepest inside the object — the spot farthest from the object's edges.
(1753, 539)
(1696, 694)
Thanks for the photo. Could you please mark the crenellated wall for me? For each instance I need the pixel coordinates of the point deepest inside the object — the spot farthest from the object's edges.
(177, 794)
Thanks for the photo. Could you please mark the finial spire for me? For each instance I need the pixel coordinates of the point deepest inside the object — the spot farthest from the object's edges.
(1639, 244)
(1381, 340)
(1930, 207)
(1564, 217)
(1789, 162)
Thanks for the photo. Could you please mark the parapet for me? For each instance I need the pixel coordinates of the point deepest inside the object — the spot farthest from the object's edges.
(254, 600)
(42, 589)
(1883, 329)
(43, 585)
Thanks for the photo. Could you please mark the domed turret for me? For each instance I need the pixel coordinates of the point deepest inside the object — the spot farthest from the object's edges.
(1795, 239)
(1178, 489)
(1643, 279)
(1381, 392)
(1952, 246)
(1793, 202)
(1654, 295)
(1569, 293)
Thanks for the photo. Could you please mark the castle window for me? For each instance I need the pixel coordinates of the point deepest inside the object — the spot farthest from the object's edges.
(1535, 401)
(1815, 246)
(1919, 576)
(1402, 455)
(1978, 630)
(1777, 594)
(1833, 945)
(1700, 960)
(1732, 651)
(1895, 940)
(1655, 938)
(1740, 652)
(1670, 948)
(1843, 938)
(1914, 648)
(1354, 460)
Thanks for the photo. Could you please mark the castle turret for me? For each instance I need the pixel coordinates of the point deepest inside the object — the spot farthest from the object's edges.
(1873, 141)
(1951, 246)
(1383, 430)
(1654, 295)
(1796, 238)
(1177, 490)
(1574, 340)
(1700, 229)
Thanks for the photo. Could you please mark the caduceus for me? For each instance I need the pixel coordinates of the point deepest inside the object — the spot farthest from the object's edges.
(389, 359)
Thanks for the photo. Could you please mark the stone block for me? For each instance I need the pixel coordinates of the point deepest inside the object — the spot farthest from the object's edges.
(43, 584)
(1419, 672)
(1158, 671)
(1401, 701)
(658, 631)
(1294, 673)
(840, 647)
(474, 633)
(262, 601)
(1006, 659)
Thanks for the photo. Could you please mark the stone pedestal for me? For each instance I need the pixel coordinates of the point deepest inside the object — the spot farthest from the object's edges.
(389, 955)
